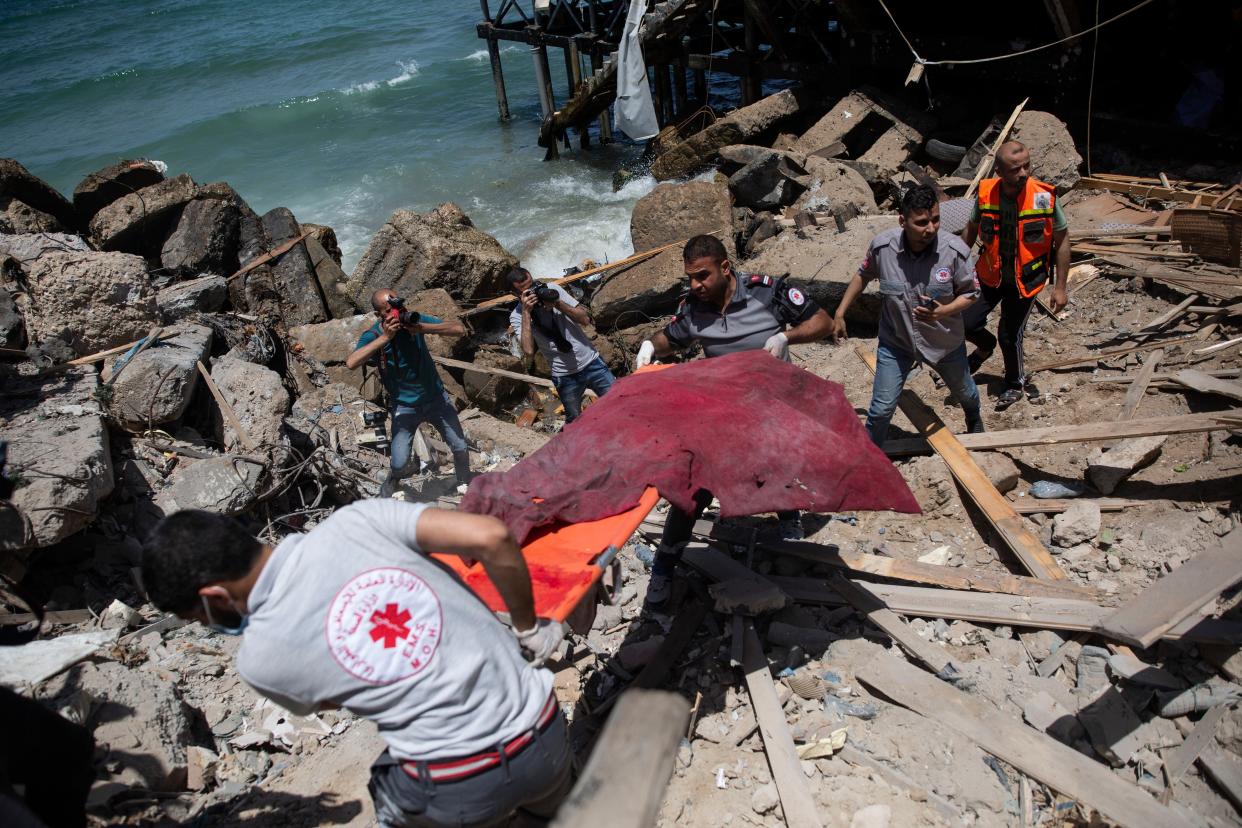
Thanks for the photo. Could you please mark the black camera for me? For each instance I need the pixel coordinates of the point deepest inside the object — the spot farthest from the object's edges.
(377, 436)
(544, 293)
(396, 308)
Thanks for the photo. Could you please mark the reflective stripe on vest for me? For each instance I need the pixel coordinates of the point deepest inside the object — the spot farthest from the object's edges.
(1033, 235)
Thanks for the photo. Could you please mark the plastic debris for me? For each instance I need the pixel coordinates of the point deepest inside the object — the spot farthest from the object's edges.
(1050, 489)
(823, 748)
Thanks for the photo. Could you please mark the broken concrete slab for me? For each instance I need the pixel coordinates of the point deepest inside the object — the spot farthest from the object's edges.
(59, 450)
(438, 249)
(672, 212)
(769, 182)
(632, 295)
(26, 247)
(26, 665)
(1113, 727)
(1107, 469)
(741, 126)
(104, 186)
(747, 596)
(331, 342)
(156, 386)
(1079, 523)
(835, 186)
(256, 395)
(205, 239)
(12, 325)
(205, 294)
(1001, 471)
(139, 222)
(333, 283)
(225, 485)
(100, 299)
(18, 186)
(326, 237)
(1054, 158)
(874, 129)
(294, 277)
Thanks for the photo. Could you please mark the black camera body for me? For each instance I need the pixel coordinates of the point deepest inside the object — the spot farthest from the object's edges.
(396, 308)
(374, 435)
(544, 293)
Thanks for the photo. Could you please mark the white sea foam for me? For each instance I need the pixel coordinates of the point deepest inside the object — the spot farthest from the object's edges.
(480, 55)
(409, 68)
(159, 165)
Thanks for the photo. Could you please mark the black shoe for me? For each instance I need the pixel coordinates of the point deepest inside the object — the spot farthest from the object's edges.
(389, 486)
(974, 425)
(976, 359)
(1011, 396)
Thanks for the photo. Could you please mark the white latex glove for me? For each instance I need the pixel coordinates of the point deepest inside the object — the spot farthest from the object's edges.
(777, 345)
(646, 352)
(540, 641)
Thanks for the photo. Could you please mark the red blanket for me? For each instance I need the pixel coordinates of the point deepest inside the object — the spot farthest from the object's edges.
(758, 433)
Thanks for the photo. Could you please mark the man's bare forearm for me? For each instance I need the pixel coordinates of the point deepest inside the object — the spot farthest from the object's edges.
(811, 330)
(852, 290)
(442, 328)
(364, 353)
(577, 313)
(527, 339)
(1062, 242)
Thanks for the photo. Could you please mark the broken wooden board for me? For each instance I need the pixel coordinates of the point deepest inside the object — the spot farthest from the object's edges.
(499, 372)
(1144, 619)
(1205, 384)
(1177, 761)
(1138, 388)
(1091, 432)
(1126, 378)
(1225, 770)
(1109, 353)
(933, 657)
(624, 779)
(999, 513)
(1036, 754)
(1035, 506)
(791, 784)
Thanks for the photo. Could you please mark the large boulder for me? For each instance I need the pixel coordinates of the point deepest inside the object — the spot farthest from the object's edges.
(27, 247)
(99, 299)
(672, 212)
(257, 397)
(205, 239)
(1054, 158)
(418, 251)
(333, 283)
(326, 237)
(872, 128)
(19, 217)
(140, 221)
(770, 181)
(438, 303)
(824, 261)
(331, 342)
(492, 392)
(58, 451)
(225, 485)
(12, 326)
(102, 187)
(25, 194)
(1107, 469)
(835, 187)
(742, 126)
(205, 294)
(255, 290)
(301, 300)
(650, 288)
(156, 386)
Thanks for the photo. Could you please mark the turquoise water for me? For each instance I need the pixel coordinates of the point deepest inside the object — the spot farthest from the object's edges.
(342, 112)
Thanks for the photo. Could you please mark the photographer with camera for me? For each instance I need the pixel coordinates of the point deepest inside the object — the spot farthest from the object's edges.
(415, 393)
(549, 319)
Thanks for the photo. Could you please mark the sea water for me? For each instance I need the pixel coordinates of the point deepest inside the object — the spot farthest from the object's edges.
(341, 111)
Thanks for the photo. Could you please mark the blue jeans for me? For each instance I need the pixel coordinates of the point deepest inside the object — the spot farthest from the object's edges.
(437, 410)
(891, 369)
(571, 387)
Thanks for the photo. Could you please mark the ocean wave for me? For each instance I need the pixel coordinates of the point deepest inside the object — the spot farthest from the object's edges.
(409, 68)
(119, 73)
(600, 192)
(480, 55)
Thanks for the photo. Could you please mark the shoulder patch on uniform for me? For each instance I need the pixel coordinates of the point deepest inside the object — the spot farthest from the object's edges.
(944, 275)
(760, 279)
(1043, 201)
(797, 297)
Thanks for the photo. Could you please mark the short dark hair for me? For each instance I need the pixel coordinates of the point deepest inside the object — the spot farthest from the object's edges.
(700, 246)
(190, 549)
(517, 275)
(918, 199)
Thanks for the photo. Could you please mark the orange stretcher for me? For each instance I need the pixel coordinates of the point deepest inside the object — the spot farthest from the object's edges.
(565, 560)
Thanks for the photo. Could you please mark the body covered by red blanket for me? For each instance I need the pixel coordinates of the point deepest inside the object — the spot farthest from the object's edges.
(758, 433)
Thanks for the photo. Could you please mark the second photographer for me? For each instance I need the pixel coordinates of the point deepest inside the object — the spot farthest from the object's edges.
(549, 319)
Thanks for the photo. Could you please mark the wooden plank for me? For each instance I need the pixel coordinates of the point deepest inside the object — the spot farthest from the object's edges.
(1226, 772)
(1142, 620)
(791, 784)
(1174, 313)
(951, 577)
(1127, 378)
(226, 409)
(499, 372)
(1138, 388)
(1092, 432)
(1144, 190)
(1134, 232)
(109, 376)
(1054, 660)
(624, 779)
(1205, 384)
(1219, 346)
(1035, 754)
(1184, 755)
(993, 505)
(931, 656)
(1035, 506)
(990, 159)
(1107, 353)
(268, 256)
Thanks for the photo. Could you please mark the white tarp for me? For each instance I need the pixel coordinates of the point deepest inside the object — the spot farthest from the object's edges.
(635, 114)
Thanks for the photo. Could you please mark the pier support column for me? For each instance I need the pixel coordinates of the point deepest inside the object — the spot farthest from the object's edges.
(498, 77)
(605, 119)
(752, 85)
(700, 86)
(679, 88)
(543, 80)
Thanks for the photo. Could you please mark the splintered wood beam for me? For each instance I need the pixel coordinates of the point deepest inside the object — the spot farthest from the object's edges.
(998, 511)
(227, 410)
(499, 372)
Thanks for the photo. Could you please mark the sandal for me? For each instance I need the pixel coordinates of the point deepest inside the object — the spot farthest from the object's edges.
(1008, 398)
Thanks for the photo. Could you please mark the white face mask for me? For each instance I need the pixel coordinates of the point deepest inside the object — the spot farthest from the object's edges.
(221, 628)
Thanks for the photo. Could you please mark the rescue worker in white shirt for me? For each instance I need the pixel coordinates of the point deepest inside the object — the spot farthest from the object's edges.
(1023, 242)
(727, 312)
(354, 614)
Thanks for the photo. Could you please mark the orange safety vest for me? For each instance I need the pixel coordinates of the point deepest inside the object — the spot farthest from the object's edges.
(1033, 262)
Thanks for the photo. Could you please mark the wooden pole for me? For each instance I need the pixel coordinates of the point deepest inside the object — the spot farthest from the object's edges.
(498, 77)
(597, 65)
(226, 409)
(752, 86)
(574, 56)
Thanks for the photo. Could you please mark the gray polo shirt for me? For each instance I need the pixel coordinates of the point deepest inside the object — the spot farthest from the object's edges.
(761, 306)
(562, 363)
(939, 271)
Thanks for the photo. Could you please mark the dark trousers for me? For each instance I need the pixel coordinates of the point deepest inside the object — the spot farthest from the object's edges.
(678, 528)
(534, 781)
(48, 755)
(1015, 308)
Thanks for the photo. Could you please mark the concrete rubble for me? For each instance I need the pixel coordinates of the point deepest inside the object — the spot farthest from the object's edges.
(795, 185)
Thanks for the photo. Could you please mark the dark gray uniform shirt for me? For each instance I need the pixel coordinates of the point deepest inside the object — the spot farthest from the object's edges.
(761, 306)
(939, 271)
